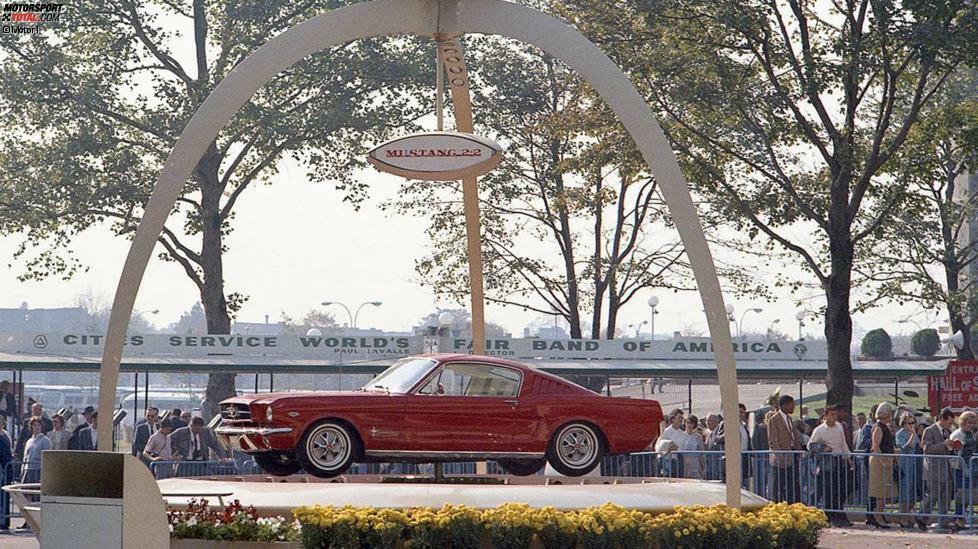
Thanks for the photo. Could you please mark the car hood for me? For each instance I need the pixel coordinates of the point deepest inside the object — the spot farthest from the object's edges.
(319, 396)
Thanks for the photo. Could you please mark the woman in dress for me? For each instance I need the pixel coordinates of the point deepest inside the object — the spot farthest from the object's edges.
(881, 485)
(908, 444)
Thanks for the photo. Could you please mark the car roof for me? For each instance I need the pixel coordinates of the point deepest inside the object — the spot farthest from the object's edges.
(458, 357)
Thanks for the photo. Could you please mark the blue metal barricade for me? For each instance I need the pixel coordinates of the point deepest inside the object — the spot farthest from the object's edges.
(169, 469)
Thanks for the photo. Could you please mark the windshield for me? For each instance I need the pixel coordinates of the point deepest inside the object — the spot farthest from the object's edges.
(402, 375)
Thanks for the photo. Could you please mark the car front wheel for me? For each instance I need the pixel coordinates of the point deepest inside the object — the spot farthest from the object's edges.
(327, 449)
(575, 449)
(279, 464)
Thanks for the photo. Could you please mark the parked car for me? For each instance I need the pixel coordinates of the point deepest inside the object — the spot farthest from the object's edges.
(437, 408)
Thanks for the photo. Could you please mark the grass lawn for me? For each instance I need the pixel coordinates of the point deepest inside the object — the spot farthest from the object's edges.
(864, 403)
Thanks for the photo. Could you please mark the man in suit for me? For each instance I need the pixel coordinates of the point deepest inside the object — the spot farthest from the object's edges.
(745, 446)
(6, 456)
(145, 430)
(87, 437)
(937, 473)
(783, 442)
(758, 441)
(195, 442)
(178, 419)
(87, 415)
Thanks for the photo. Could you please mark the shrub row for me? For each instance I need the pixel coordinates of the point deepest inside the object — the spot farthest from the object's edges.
(518, 526)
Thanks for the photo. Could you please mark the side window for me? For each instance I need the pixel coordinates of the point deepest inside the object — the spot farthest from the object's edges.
(468, 379)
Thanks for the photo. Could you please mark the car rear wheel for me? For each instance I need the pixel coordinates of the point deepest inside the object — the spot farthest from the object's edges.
(575, 449)
(327, 449)
(522, 467)
(279, 464)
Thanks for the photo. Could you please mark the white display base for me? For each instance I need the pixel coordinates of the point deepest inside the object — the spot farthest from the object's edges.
(279, 498)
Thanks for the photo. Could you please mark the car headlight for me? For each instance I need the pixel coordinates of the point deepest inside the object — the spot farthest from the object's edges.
(268, 413)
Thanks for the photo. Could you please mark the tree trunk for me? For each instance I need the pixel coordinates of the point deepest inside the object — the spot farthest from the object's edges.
(567, 248)
(953, 269)
(838, 320)
(599, 285)
(951, 273)
(614, 304)
(219, 385)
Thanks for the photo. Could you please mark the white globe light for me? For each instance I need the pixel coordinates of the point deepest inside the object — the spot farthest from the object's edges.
(314, 332)
(730, 308)
(653, 301)
(800, 315)
(446, 318)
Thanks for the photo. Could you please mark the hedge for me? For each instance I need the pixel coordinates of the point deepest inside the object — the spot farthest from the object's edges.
(518, 526)
(925, 342)
(877, 344)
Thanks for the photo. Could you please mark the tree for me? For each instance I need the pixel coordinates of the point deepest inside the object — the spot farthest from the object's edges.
(317, 318)
(462, 322)
(925, 342)
(877, 344)
(192, 322)
(926, 255)
(785, 113)
(570, 179)
(99, 106)
(98, 309)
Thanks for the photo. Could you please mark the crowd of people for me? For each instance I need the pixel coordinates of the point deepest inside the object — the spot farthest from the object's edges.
(176, 438)
(893, 455)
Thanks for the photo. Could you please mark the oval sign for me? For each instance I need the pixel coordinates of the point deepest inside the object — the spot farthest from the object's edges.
(437, 156)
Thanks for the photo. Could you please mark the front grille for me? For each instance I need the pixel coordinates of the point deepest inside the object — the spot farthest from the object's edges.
(235, 411)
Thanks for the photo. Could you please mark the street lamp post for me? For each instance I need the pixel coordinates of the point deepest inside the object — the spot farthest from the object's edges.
(800, 317)
(909, 321)
(740, 325)
(770, 329)
(638, 327)
(653, 301)
(353, 316)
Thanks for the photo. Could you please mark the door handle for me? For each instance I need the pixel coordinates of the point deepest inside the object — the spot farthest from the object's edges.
(513, 402)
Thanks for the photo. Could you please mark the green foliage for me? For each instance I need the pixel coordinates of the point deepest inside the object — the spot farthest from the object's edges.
(100, 106)
(877, 344)
(926, 342)
(785, 118)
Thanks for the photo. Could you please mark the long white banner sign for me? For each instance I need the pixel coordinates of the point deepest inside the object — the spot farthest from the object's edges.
(344, 348)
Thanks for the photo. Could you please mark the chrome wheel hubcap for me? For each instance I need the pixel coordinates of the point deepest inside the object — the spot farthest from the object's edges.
(577, 446)
(328, 447)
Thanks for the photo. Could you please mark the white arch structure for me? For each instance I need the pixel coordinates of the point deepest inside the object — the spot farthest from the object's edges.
(429, 17)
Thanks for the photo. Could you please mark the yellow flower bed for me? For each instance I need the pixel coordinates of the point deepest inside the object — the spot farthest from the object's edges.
(518, 526)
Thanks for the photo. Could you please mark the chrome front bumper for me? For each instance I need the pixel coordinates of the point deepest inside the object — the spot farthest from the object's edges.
(252, 431)
(249, 439)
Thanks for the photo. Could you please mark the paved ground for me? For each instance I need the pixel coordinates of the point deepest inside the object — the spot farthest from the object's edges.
(839, 538)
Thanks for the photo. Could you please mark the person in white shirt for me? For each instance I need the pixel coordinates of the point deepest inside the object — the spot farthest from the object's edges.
(158, 449)
(829, 440)
(672, 438)
(59, 435)
(693, 463)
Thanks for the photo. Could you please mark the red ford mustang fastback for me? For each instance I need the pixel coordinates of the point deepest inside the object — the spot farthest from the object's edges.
(437, 408)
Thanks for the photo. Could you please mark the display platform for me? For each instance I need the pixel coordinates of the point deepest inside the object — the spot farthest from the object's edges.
(280, 496)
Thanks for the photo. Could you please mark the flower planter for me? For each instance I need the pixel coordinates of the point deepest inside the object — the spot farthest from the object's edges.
(214, 544)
